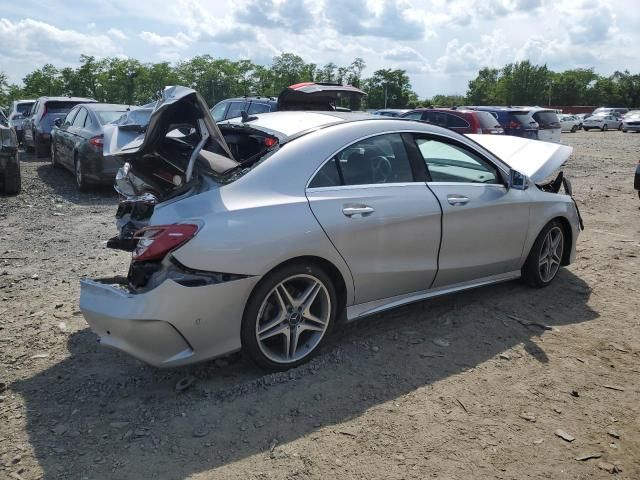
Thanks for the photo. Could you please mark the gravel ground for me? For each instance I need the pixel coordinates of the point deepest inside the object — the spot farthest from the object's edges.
(462, 387)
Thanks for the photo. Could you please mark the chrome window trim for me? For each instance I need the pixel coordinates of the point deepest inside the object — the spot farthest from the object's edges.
(492, 159)
(473, 184)
(363, 186)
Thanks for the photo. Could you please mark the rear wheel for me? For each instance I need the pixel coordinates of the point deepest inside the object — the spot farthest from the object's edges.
(574, 129)
(53, 156)
(544, 259)
(620, 127)
(605, 127)
(585, 129)
(288, 316)
(11, 179)
(81, 181)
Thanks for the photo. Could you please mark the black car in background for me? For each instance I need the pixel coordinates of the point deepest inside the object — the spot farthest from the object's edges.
(77, 140)
(9, 162)
(301, 96)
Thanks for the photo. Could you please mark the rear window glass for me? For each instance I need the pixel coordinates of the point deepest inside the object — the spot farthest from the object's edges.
(259, 108)
(454, 121)
(487, 120)
(522, 117)
(546, 119)
(24, 108)
(60, 107)
(411, 115)
(108, 117)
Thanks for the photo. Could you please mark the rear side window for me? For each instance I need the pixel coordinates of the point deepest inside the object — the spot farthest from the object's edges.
(454, 121)
(546, 119)
(487, 120)
(259, 108)
(108, 117)
(68, 120)
(376, 160)
(80, 118)
(235, 109)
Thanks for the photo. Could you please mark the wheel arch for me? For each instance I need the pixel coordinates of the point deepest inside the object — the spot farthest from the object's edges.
(336, 276)
(568, 238)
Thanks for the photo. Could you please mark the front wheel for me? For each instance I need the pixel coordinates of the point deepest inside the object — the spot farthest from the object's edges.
(574, 129)
(288, 316)
(545, 256)
(605, 127)
(585, 129)
(53, 155)
(81, 182)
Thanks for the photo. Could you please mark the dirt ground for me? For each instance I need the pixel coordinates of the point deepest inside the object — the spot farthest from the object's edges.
(461, 387)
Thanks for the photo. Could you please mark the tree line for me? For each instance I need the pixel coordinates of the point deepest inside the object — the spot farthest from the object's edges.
(129, 81)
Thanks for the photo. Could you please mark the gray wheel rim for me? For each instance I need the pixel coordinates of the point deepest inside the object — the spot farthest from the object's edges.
(293, 318)
(551, 254)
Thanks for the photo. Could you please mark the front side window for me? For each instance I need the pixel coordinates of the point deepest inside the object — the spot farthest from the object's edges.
(259, 108)
(235, 109)
(454, 121)
(450, 163)
(411, 115)
(80, 118)
(219, 110)
(375, 160)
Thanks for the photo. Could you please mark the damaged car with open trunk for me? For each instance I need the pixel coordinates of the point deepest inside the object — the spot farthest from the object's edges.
(260, 232)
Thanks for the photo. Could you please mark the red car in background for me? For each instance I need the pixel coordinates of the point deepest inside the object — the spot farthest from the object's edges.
(459, 120)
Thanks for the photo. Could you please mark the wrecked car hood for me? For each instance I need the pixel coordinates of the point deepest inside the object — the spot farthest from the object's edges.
(315, 95)
(138, 132)
(533, 158)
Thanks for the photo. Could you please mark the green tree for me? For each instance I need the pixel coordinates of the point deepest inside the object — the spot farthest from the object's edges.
(482, 89)
(390, 88)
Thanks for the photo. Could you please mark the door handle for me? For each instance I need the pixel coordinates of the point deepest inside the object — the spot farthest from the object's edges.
(457, 200)
(363, 210)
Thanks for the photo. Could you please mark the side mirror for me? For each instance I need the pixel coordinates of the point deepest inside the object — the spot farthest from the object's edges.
(518, 181)
(58, 122)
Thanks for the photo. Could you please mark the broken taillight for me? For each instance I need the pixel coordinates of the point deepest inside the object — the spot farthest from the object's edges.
(155, 242)
(270, 142)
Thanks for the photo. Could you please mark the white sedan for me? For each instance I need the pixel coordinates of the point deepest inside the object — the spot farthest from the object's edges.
(602, 122)
(569, 123)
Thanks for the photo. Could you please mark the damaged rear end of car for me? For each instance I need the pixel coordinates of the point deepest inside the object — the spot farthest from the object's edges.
(171, 152)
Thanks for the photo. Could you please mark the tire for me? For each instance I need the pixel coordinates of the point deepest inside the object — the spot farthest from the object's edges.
(11, 179)
(81, 181)
(620, 127)
(274, 314)
(605, 127)
(534, 272)
(53, 156)
(624, 130)
(574, 129)
(585, 129)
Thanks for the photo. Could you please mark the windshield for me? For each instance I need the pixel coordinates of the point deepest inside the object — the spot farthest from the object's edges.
(24, 108)
(109, 116)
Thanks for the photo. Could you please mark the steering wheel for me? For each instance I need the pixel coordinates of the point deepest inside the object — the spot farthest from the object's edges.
(381, 169)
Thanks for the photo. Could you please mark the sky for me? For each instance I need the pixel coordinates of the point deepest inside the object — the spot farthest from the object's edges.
(440, 43)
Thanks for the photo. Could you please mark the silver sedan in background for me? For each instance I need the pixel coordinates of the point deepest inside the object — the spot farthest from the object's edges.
(259, 233)
(602, 122)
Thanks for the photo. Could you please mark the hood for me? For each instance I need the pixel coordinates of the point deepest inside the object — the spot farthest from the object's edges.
(533, 158)
(315, 96)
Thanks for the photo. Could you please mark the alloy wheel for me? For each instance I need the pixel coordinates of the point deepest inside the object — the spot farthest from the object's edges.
(293, 318)
(551, 254)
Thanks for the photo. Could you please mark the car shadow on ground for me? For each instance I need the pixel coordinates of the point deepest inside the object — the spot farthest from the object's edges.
(61, 182)
(102, 414)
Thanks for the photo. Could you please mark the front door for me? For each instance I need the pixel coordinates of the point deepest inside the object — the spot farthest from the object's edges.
(484, 224)
(385, 224)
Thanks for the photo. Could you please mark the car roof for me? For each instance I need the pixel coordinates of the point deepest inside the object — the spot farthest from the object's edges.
(243, 99)
(107, 106)
(288, 124)
(444, 109)
(66, 99)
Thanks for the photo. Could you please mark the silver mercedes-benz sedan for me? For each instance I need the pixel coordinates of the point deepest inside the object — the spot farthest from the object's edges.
(257, 234)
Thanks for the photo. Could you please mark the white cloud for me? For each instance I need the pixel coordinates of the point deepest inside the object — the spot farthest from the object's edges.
(179, 41)
(117, 33)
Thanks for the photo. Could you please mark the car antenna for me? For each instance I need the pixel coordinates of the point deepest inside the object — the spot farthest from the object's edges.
(245, 117)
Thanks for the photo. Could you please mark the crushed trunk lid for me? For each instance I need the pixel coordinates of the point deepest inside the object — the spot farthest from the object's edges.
(315, 96)
(533, 158)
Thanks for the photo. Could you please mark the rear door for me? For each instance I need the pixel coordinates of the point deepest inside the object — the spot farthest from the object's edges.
(62, 138)
(380, 216)
(484, 224)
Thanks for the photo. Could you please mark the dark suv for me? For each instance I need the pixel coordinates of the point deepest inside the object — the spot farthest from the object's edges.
(515, 121)
(457, 119)
(301, 96)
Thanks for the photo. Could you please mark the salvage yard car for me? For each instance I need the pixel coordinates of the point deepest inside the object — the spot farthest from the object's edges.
(602, 121)
(458, 119)
(301, 96)
(259, 233)
(77, 139)
(19, 111)
(569, 123)
(37, 127)
(9, 162)
(631, 122)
